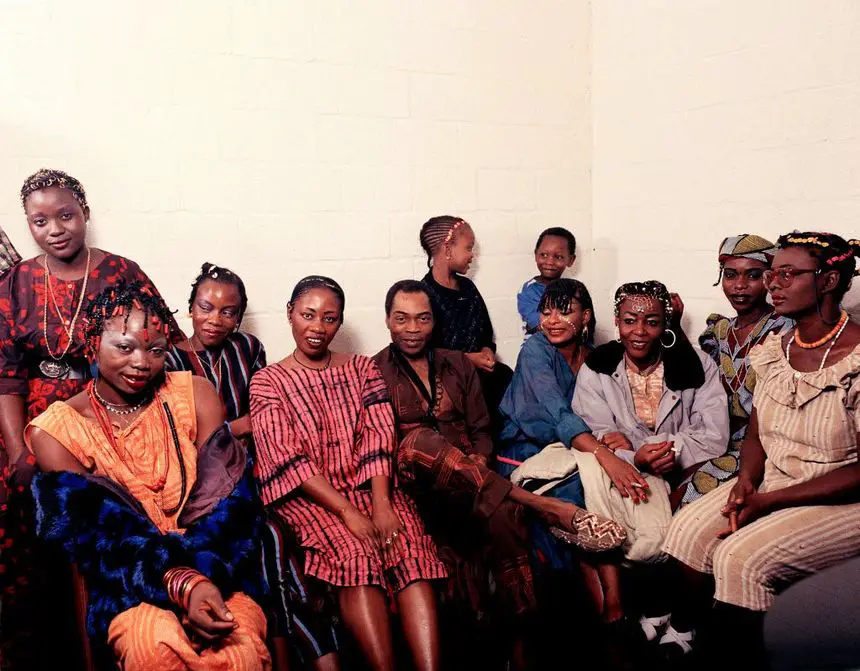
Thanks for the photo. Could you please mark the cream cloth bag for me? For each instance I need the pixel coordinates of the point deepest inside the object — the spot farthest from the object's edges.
(645, 523)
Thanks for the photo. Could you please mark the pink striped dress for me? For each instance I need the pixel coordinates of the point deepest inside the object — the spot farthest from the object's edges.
(337, 423)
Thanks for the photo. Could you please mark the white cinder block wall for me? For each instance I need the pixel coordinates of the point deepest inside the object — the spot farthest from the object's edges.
(286, 137)
(713, 118)
(283, 137)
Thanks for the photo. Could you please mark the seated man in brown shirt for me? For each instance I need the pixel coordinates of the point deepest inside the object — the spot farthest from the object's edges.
(444, 429)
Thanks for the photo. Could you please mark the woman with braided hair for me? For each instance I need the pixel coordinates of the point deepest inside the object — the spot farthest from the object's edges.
(794, 508)
(147, 491)
(42, 359)
(462, 320)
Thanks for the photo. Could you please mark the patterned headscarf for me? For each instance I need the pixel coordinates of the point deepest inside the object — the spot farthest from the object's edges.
(45, 179)
(747, 246)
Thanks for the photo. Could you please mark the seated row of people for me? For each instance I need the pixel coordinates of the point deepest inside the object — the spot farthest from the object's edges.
(427, 464)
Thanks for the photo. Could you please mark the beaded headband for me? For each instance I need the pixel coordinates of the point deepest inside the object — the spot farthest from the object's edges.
(650, 290)
(815, 240)
(453, 230)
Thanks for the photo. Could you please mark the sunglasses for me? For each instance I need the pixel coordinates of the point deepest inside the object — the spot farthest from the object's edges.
(786, 275)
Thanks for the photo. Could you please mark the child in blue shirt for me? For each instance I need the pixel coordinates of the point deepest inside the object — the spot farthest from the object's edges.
(555, 251)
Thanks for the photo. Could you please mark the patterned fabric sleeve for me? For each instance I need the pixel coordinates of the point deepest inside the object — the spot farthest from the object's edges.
(708, 341)
(477, 417)
(13, 368)
(376, 437)
(258, 355)
(282, 461)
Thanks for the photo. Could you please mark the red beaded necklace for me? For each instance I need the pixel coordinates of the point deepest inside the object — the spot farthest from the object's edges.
(168, 432)
(821, 341)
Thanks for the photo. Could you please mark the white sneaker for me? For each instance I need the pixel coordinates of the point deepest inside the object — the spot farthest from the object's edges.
(652, 627)
(680, 638)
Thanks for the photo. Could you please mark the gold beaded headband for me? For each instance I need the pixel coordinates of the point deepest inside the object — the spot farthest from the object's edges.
(453, 230)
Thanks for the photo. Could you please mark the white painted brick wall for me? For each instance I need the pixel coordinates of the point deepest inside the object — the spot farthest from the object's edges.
(712, 119)
(283, 138)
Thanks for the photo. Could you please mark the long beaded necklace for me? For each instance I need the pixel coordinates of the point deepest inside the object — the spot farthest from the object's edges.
(214, 368)
(826, 352)
(169, 435)
(55, 367)
(843, 319)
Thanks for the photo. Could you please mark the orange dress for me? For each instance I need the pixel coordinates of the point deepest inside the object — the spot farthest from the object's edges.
(147, 637)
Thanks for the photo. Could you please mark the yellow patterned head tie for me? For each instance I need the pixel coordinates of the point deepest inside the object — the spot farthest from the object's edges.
(747, 246)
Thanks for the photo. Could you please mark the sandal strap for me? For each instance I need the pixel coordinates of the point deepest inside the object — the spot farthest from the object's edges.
(652, 625)
(680, 638)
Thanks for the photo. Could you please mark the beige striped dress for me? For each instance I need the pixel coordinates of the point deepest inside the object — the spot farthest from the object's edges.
(808, 424)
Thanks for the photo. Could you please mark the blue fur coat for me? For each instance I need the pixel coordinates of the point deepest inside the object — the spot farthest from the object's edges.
(123, 556)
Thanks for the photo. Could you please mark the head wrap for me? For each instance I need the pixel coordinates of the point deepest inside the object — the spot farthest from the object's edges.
(748, 247)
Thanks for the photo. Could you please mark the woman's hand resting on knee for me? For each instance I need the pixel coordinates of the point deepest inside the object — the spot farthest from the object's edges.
(208, 616)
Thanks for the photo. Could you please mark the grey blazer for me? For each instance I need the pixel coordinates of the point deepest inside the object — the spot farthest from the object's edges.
(693, 410)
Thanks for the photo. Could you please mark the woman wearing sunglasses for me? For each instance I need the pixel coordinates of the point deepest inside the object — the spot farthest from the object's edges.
(794, 508)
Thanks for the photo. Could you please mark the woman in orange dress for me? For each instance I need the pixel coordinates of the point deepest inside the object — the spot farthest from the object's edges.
(147, 491)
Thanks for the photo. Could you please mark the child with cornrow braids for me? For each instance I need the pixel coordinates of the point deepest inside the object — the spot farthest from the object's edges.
(462, 320)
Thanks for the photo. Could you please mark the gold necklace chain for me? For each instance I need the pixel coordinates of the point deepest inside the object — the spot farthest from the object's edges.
(71, 327)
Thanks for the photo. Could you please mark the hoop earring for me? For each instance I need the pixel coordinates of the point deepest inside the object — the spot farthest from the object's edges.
(674, 339)
(584, 333)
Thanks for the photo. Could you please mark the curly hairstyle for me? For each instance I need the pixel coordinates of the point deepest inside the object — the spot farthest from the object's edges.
(45, 179)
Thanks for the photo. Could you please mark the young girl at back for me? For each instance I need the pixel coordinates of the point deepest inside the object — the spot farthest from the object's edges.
(462, 320)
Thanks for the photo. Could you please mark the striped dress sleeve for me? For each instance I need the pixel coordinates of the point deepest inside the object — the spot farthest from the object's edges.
(376, 437)
(281, 458)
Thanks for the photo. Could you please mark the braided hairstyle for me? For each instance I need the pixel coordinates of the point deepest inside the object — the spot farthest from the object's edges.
(222, 275)
(311, 282)
(830, 251)
(437, 232)
(45, 179)
(649, 289)
(119, 301)
(561, 292)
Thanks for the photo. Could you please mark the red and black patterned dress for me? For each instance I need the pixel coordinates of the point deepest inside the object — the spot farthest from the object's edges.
(338, 423)
(22, 349)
